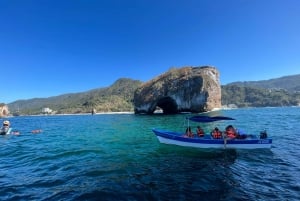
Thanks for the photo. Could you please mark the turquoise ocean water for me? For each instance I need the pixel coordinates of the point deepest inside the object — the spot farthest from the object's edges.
(117, 157)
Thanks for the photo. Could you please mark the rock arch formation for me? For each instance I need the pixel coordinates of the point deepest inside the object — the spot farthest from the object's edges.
(187, 89)
(3, 110)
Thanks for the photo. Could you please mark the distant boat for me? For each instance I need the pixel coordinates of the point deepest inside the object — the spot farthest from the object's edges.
(209, 142)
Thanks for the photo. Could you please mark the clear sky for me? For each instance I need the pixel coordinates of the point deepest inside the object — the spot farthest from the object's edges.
(53, 47)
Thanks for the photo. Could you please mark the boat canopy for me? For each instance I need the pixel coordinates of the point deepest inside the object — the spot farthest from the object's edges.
(207, 119)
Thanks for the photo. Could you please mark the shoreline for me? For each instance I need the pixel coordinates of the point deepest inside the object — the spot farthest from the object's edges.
(131, 112)
(98, 113)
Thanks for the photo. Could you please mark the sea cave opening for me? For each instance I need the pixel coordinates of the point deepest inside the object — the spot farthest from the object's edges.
(168, 105)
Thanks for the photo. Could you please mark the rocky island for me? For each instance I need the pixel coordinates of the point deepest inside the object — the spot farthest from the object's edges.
(187, 89)
(3, 110)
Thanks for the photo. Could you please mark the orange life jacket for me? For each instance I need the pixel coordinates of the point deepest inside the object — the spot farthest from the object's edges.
(216, 134)
(230, 134)
(200, 133)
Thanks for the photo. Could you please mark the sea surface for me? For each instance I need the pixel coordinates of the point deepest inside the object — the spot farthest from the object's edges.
(117, 157)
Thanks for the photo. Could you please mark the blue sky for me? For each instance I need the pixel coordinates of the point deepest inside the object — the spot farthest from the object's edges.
(53, 47)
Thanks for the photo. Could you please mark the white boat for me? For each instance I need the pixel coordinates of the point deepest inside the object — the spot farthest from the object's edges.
(208, 142)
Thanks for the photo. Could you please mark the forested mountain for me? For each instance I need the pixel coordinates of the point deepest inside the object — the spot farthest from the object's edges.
(244, 96)
(116, 98)
(290, 83)
(283, 91)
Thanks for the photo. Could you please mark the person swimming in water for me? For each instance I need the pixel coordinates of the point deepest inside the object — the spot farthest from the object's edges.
(5, 129)
(36, 131)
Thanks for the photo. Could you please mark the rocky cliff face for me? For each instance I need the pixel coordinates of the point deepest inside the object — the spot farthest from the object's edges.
(187, 89)
(3, 110)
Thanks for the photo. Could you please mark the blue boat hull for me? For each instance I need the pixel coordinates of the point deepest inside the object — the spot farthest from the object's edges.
(169, 137)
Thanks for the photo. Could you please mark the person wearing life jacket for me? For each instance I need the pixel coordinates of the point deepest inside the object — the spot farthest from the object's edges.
(200, 132)
(230, 132)
(216, 133)
(5, 129)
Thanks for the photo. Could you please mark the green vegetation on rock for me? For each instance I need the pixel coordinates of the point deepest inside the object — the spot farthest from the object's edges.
(118, 97)
(242, 96)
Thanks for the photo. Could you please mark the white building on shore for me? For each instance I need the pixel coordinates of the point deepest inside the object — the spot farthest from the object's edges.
(47, 110)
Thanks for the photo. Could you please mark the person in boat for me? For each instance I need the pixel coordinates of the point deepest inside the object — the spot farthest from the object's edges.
(200, 132)
(231, 132)
(216, 133)
(263, 134)
(188, 132)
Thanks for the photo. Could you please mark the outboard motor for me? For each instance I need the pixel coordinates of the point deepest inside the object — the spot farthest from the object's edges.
(263, 134)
